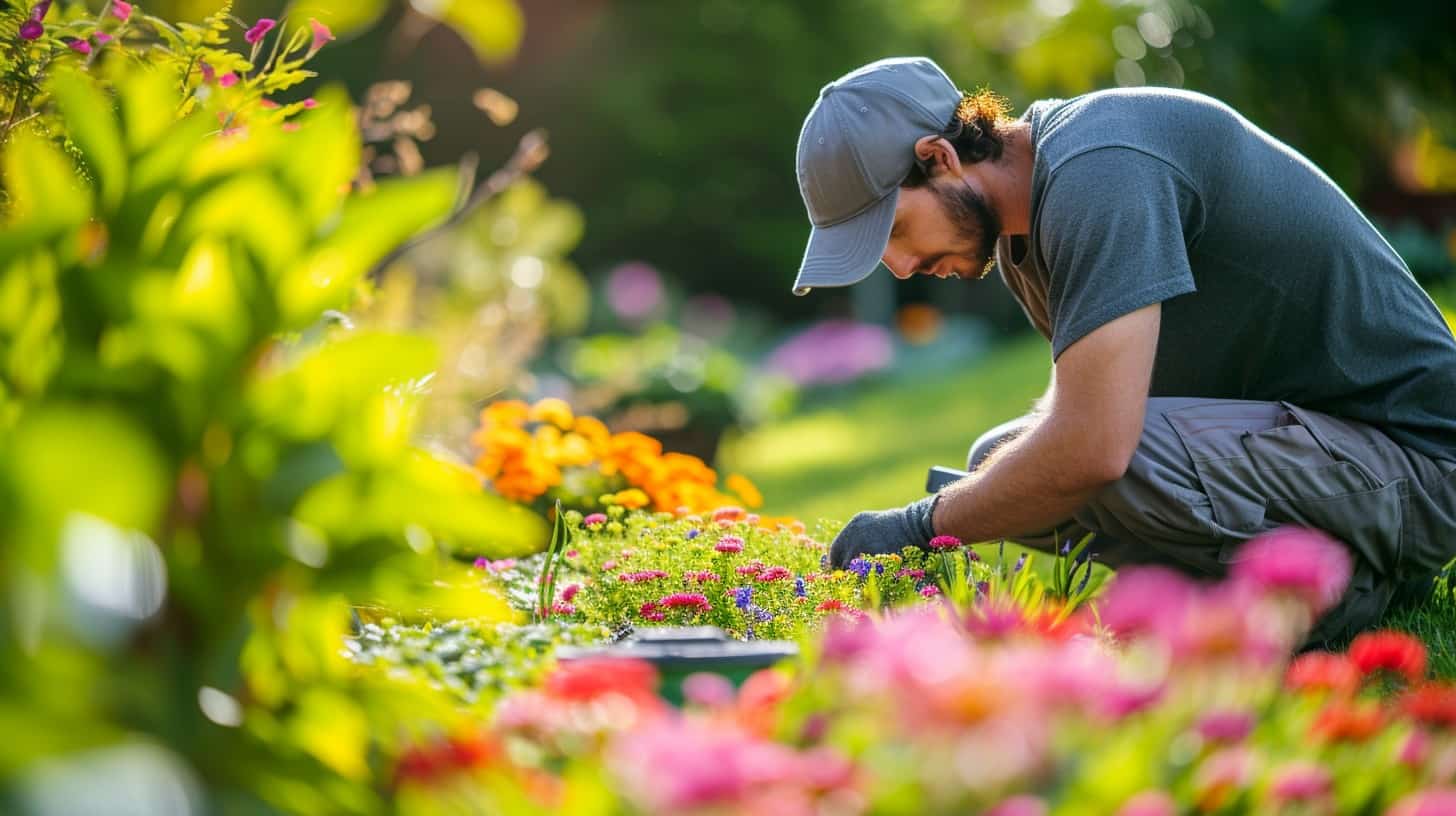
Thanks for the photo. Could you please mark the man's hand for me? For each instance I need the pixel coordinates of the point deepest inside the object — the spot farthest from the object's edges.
(883, 531)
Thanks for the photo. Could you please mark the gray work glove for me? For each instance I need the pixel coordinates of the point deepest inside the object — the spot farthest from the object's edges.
(883, 531)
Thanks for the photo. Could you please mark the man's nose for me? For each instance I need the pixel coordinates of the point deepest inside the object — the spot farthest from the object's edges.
(900, 264)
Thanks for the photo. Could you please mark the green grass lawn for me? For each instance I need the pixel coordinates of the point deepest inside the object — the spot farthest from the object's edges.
(870, 450)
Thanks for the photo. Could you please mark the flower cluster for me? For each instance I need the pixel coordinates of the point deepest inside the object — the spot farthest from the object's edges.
(1167, 697)
(531, 452)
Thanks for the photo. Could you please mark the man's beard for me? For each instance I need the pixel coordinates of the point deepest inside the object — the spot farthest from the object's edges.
(975, 222)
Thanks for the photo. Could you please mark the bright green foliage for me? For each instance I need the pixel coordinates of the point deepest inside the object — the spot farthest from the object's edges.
(198, 475)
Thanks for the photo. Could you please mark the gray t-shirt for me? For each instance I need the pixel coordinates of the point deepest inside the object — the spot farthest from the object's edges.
(1273, 285)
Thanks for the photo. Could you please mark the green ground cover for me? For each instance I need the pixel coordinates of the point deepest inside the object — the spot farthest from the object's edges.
(871, 449)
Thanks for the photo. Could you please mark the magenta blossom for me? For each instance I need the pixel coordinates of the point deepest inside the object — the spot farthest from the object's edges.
(228, 80)
(321, 35)
(1430, 802)
(694, 601)
(31, 30)
(929, 591)
(729, 544)
(569, 591)
(702, 576)
(594, 519)
(641, 577)
(708, 690)
(310, 103)
(917, 574)
(120, 10)
(481, 563)
(79, 46)
(774, 574)
(260, 30)
(1023, 805)
(102, 38)
(651, 611)
(944, 542)
(1226, 726)
(1146, 600)
(1292, 560)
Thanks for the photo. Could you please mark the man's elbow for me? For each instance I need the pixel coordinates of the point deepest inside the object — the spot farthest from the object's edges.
(1103, 467)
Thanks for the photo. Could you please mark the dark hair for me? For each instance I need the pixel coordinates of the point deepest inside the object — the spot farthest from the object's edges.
(973, 130)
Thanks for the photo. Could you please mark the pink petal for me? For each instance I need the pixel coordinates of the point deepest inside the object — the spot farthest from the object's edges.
(228, 80)
(321, 35)
(260, 30)
(120, 10)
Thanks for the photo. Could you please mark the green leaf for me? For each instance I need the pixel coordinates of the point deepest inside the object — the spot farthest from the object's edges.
(47, 197)
(149, 102)
(370, 227)
(493, 28)
(323, 155)
(90, 122)
(343, 17)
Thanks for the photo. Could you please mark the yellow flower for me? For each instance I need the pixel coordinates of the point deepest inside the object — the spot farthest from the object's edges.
(631, 498)
(554, 411)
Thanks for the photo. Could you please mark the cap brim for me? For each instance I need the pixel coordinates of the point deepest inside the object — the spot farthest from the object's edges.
(846, 253)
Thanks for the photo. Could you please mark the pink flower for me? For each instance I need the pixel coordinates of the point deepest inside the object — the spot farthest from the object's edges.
(729, 544)
(260, 30)
(569, 591)
(31, 30)
(481, 563)
(1149, 803)
(79, 46)
(268, 104)
(695, 601)
(917, 574)
(1416, 749)
(1431, 802)
(609, 566)
(944, 542)
(702, 576)
(708, 690)
(929, 591)
(1226, 726)
(562, 608)
(1023, 805)
(310, 103)
(1292, 560)
(641, 577)
(1145, 600)
(208, 73)
(228, 80)
(1300, 781)
(729, 513)
(774, 574)
(502, 565)
(120, 10)
(102, 38)
(651, 611)
(594, 519)
(321, 35)
(753, 568)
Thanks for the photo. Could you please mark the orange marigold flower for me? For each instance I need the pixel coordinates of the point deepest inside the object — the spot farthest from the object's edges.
(506, 412)
(745, 490)
(554, 411)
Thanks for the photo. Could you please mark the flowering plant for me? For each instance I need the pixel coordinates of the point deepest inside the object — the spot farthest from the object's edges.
(1165, 697)
(537, 454)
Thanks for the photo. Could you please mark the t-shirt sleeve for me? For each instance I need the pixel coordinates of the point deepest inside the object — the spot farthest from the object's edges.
(1113, 234)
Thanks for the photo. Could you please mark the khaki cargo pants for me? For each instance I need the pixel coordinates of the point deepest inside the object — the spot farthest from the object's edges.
(1210, 474)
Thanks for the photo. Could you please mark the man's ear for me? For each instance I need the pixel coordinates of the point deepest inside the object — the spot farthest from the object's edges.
(936, 156)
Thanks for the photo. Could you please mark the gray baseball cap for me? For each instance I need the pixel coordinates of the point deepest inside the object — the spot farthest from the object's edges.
(857, 145)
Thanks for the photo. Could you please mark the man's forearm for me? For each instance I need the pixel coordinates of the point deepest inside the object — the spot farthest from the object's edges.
(1027, 485)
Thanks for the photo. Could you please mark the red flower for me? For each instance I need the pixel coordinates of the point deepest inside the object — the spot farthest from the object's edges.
(592, 679)
(944, 542)
(831, 605)
(1432, 704)
(1394, 652)
(1322, 671)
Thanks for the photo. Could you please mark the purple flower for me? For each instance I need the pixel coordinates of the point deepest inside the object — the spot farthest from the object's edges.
(481, 563)
(799, 589)
(835, 351)
(859, 566)
(79, 46)
(634, 291)
(31, 30)
(742, 597)
(692, 534)
(1020, 562)
(260, 30)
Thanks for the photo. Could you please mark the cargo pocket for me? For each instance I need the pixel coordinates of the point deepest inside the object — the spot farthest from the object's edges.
(1266, 464)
